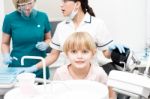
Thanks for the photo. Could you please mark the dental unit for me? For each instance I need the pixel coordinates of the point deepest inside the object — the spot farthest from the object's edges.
(127, 81)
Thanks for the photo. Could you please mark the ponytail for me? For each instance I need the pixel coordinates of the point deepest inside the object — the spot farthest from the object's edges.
(86, 8)
(90, 10)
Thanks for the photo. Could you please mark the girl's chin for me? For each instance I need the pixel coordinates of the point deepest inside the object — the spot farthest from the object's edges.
(80, 66)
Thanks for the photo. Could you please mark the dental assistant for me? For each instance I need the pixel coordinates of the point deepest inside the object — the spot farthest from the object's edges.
(30, 32)
(80, 18)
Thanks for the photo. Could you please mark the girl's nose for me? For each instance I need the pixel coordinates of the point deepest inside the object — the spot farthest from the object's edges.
(79, 55)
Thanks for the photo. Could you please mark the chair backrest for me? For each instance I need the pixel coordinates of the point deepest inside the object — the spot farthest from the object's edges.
(53, 26)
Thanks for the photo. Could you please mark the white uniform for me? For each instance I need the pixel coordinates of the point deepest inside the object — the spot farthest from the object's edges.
(89, 24)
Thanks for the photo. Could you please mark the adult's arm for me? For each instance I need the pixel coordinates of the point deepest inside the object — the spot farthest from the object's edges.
(51, 58)
(47, 37)
(5, 46)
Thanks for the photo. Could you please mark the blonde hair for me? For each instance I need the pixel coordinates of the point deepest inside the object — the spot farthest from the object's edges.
(16, 2)
(79, 41)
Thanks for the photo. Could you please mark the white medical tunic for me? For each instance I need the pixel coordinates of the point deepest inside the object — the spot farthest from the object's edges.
(95, 27)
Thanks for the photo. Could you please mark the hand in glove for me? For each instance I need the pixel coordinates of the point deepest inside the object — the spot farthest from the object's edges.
(42, 46)
(31, 69)
(120, 47)
(7, 59)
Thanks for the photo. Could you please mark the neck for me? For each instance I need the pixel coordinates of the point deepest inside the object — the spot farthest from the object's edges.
(79, 73)
(78, 18)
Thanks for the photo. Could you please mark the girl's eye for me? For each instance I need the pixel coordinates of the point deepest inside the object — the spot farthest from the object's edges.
(73, 51)
(85, 51)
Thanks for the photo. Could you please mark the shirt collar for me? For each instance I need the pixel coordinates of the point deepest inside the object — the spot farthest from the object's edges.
(87, 19)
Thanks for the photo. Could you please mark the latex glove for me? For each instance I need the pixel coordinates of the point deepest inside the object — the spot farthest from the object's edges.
(120, 47)
(7, 59)
(31, 69)
(42, 46)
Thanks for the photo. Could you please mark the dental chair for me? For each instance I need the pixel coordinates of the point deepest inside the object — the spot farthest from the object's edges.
(125, 80)
(121, 61)
(125, 61)
(130, 84)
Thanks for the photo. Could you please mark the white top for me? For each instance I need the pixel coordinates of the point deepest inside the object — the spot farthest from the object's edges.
(96, 73)
(90, 24)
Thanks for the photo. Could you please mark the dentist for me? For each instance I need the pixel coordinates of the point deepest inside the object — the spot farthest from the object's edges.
(30, 32)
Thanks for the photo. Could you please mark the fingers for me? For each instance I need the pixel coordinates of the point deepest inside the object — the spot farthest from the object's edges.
(42, 46)
(121, 49)
(7, 59)
(38, 45)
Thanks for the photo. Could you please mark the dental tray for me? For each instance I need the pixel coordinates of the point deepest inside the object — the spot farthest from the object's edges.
(8, 75)
(129, 83)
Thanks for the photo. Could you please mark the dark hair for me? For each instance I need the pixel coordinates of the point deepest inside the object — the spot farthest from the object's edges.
(85, 7)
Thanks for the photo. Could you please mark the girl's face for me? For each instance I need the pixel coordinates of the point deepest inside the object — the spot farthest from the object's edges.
(26, 7)
(67, 7)
(80, 58)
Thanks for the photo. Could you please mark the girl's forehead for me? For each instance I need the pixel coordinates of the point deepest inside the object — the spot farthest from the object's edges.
(79, 48)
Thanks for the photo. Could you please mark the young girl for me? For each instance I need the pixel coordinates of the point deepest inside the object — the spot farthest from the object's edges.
(80, 50)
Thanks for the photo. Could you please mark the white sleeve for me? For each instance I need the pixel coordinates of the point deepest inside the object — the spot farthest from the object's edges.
(103, 37)
(55, 42)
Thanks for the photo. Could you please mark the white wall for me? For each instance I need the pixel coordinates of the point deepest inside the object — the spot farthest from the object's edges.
(148, 21)
(1, 21)
(52, 7)
(126, 19)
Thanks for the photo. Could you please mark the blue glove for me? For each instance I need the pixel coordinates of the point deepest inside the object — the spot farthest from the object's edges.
(7, 59)
(31, 69)
(42, 46)
(120, 47)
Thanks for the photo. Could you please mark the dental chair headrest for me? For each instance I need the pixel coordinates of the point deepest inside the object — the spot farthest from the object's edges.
(118, 57)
